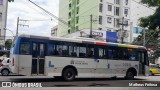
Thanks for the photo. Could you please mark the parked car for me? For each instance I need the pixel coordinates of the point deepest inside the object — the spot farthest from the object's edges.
(4, 67)
(154, 69)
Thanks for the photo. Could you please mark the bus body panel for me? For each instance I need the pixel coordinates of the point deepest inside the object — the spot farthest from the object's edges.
(84, 66)
(120, 67)
(14, 63)
(25, 64)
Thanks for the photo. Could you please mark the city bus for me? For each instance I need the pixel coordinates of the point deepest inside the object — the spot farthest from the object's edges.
(71, 58)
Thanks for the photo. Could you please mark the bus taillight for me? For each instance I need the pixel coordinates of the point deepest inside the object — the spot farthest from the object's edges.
(13, 61)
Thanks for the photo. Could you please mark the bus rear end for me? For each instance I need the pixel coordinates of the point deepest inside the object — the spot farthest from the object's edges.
(14, 56)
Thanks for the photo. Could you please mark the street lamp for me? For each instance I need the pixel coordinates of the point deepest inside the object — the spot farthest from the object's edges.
(11, 32)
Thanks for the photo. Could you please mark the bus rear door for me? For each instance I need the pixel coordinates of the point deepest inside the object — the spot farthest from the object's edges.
(38, 58)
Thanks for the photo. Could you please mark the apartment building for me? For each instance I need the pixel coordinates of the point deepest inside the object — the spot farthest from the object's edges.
(3, 20)
(106, 15)
(54, 31)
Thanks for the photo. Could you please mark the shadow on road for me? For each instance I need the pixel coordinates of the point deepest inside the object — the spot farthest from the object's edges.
(61, 80)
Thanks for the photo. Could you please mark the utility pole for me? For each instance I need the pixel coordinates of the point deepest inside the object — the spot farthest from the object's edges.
(91, 20)
(18, 20)
(144, 37)
(17, 26)
(122, 30)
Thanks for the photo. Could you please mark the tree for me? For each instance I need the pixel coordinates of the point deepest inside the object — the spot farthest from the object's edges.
(152, 21)
(152, 25)
(10, 0)
(8, 43)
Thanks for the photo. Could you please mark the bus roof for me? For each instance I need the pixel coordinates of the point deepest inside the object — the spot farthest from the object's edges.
(84, 40)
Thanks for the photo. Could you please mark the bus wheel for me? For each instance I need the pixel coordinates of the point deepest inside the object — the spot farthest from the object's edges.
(5, 72)
(69, 74)
(129, 75)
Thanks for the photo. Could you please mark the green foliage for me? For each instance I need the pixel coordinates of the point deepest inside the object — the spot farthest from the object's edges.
(151, 3)
(10, 0)
(152, 23)
(8, 43)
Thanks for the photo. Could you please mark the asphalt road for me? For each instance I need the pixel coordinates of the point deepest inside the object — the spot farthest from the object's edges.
(86, 83)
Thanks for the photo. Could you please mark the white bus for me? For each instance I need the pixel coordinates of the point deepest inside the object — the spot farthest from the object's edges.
(72, 58)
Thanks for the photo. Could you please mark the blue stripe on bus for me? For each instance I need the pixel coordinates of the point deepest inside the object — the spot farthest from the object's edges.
(16, 46)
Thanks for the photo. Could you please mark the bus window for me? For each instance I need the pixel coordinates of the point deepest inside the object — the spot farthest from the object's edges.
(82, 52)
(25, 48)
(62, 49)
(132, 55)
(113, 53)
(73, 50)
(51, 49)
(102, 53)
(90, 51)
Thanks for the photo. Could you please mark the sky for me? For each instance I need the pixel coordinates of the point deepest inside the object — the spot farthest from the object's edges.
(39, 22)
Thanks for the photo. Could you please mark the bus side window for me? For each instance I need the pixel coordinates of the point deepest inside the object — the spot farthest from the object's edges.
(25, 48)
(102, 53)
(82, 52)
(73, 50)
(90, 51)
(52, 50)
(132, 54)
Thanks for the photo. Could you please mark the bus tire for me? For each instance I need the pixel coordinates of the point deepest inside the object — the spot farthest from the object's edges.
(129, 75)
(69, 74)
(5, 72)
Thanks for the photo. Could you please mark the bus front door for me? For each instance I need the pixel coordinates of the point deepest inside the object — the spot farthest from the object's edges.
(142, 57)
(38, 58)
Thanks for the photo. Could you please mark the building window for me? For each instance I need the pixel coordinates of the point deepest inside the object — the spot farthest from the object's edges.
(109, 30)
(100, 19)
(70, 6)
(109, 7)
(69, 14)
(137, 30)
(0, 16)
(100, 28)
(69, 23)
(126, 2)
(100, 7)
(1, 2)
(77, 28)
(117, 2)
(77, 10)
(116, 22)
(69, 31)
(126, 12)
(77, 19)
(126, 23)
(117, 11)
(77, 2)
(109, 20)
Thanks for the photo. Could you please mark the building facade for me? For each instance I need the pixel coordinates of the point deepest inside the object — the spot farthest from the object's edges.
(106, 15)
(54, 31)
(3, 21)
